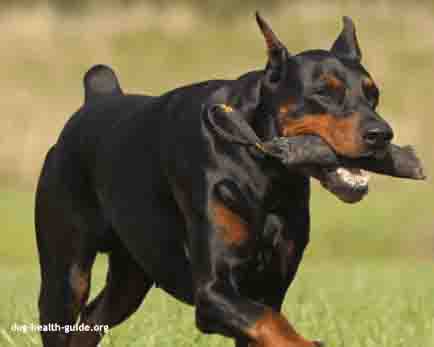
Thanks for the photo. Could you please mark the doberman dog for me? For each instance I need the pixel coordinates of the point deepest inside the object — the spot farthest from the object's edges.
(151, 182)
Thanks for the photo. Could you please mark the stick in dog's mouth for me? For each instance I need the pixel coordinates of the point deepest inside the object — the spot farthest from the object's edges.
(310, 155)
(348, 179)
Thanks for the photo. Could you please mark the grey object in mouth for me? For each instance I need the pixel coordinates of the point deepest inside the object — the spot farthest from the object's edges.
(346, 178)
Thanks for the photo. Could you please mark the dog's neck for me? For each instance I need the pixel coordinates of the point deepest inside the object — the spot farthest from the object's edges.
(247, 95)
(261, 116)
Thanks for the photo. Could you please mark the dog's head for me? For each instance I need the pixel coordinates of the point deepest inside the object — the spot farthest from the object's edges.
(330, 94)
(324, 93)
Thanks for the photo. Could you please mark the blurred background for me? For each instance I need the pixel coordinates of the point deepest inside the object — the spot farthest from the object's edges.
(367, 278)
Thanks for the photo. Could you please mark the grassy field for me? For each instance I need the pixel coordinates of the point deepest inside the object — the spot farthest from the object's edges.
(362, 284)
(368, 275)
(346, 304)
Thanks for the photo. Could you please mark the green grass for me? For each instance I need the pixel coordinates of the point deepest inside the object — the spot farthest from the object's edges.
(18, 244)
(345, 304)
(356, 287)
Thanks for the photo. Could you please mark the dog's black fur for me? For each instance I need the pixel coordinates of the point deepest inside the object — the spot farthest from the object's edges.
(151, 182)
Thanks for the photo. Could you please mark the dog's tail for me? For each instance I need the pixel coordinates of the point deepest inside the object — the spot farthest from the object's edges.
(100, 81)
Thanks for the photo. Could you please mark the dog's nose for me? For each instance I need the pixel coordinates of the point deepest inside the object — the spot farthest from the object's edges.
(378, 136)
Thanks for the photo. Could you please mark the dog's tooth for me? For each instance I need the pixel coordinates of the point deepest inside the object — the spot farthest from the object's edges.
(363, 178)
(346, 176)
(353, 177)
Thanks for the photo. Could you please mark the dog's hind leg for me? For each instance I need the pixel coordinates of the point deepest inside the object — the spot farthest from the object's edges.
(66, 255)
(125, 289)
(65, 272)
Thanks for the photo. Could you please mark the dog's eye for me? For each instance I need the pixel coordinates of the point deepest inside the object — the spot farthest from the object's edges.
(372, 95)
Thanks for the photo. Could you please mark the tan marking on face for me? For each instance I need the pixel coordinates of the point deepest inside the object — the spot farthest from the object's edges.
(341, 134)
(273, 330)
(332, 81)
(231, 227)
(287, 108)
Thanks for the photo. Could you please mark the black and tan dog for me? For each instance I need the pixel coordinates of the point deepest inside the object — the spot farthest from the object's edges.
(154, 183)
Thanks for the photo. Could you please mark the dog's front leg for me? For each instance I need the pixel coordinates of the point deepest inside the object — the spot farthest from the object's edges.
(222, 247)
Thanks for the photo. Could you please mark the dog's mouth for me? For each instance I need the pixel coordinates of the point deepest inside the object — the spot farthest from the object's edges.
(347, 178)
(349, 184)
(310, 155)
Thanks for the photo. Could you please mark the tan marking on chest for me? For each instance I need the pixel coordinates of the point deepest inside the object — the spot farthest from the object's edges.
(232, 228)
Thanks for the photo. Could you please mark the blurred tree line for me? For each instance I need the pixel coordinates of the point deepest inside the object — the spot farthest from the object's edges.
(213, 8)
(216, 7)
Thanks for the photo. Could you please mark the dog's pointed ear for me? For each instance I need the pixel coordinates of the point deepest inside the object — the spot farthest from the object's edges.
(277, 52)
(346, 45)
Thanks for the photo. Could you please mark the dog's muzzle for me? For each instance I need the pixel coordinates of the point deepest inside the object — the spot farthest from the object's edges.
(348, 184)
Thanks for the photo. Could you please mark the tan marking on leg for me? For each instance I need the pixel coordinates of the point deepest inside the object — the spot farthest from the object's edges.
(274, 330)
(79, 280)
(232, 228)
